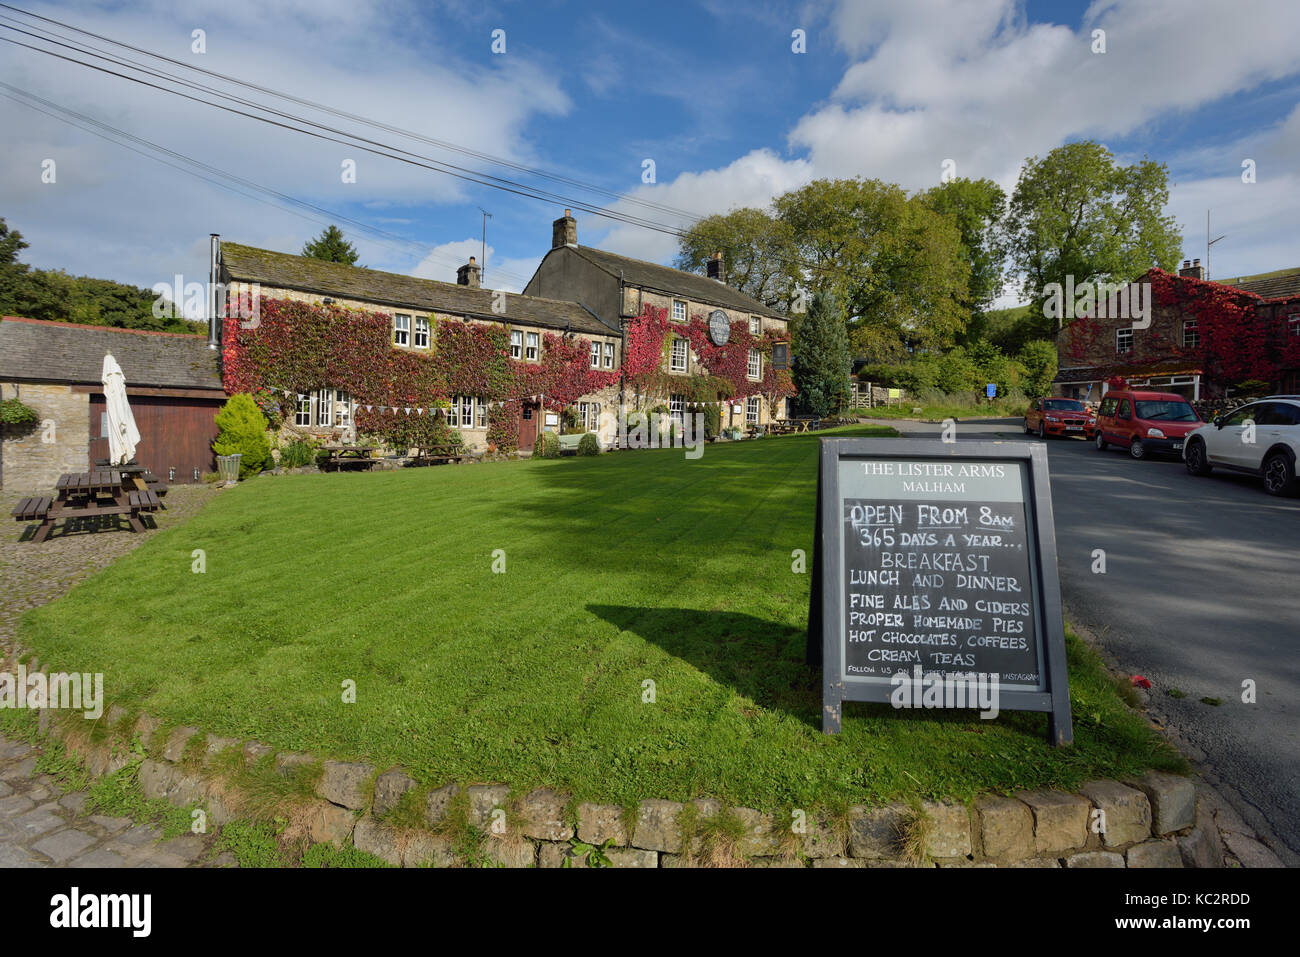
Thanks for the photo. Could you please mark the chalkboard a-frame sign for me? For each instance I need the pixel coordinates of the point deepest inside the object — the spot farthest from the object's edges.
(938, 560)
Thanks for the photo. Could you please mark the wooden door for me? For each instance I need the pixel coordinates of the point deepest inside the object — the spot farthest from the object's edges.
(529, 421)
(175, 434)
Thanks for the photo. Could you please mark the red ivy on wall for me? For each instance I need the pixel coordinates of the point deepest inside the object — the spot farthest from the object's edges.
(300, 346)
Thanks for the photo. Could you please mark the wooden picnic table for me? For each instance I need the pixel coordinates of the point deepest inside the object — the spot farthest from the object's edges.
(142, 476)
(348, 455)
(86, 494)
(439, 454)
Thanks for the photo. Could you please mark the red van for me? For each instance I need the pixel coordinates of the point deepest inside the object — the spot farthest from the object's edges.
(1145, 422)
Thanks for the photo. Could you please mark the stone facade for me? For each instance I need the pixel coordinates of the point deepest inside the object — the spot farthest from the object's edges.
(34, 458)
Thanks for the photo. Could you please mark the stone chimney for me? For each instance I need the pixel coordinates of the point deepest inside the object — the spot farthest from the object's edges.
(715, 268)
(467, 275)
(564, 231)
(1192, 269)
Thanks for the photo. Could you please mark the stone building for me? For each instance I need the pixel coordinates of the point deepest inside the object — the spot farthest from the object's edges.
(56, 368)
(619, 286)
(1169, 355)
(415, 307)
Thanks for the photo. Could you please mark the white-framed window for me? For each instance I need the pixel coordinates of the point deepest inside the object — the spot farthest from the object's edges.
(679, 311)
(676, 407)
(1191, 334)
(751, 410)
(589, 413)
(595, 355)
(1124, 340)
(677, 360)
(609, 355)
(302, 414)
(755, 325)
(755, 364)
(531, 353)
(421, 332)
(467, 412)
(325, 408)
(1293, 323)
(344, 409)
(401, 330)
(516, 344)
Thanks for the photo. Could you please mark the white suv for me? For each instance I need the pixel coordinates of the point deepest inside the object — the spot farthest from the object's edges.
(1262, 438)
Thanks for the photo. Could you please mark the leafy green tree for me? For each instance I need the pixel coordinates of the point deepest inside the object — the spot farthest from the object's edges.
(12, 272)
(331, 247)
(241, 430)
(892, 261)
(821, 369)
(1039, 359)
(1077, 213)
(753, 247)
(976, 206)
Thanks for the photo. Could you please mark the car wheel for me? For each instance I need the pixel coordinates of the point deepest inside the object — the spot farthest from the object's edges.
(1279, 474)
(1100, 442)
(1137, 449)
(1197, 462)
(1042, 431)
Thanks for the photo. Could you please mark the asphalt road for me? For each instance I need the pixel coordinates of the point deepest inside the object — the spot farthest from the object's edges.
(1201, 592)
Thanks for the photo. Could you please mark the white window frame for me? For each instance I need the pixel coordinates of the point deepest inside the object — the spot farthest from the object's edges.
(516, 343)
(452, 413)
(324, 408)
(401, 330)
(1191, 330)
(1293, 323)
(679, 363)
(682, 310)
(609, 355)
(1120, 338)
(343, 412)
(532, 349)
(481, 413)
(595, 355)
(752, 410)
(589, 413)
(677, 407)
(467, 412)
(421, 331)
(302, 416)
(755, 326)
(754, 368)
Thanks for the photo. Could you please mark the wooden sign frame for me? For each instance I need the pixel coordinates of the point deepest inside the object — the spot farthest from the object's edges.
(826, 614)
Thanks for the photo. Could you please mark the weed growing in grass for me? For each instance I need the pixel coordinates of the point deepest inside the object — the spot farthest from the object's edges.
(55, 761)
(119, 795)
(327, 855)
(593, 854)
(917, 829)
(253, 844)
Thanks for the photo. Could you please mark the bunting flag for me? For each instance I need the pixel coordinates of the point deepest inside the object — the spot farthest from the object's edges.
(408, 410)
(368, 408)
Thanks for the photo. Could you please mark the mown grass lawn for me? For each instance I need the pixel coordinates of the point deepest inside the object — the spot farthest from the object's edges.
(627, 568)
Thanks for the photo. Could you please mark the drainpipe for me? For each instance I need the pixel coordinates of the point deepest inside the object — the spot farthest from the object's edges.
(214, 293)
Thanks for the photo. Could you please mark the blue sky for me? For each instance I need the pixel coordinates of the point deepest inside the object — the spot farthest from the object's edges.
(711, 92)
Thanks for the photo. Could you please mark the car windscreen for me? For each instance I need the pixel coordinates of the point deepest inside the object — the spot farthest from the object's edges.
(1163, 410)
(1063, 405)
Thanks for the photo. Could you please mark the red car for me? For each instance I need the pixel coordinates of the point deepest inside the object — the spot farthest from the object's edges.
(1145, 422)
(1060, 417)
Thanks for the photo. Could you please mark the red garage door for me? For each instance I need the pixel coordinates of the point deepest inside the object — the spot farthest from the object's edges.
(175, 434)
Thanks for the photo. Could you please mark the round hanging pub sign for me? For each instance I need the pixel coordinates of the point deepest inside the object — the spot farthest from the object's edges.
(719, 327)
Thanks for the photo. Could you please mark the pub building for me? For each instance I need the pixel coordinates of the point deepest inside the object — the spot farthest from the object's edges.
(576, 291)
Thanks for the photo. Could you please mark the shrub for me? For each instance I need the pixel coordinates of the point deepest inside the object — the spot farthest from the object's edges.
(712, 421)
(242, 430)
(297, 454)
(550, 446)
(589, 444)
(14, 414)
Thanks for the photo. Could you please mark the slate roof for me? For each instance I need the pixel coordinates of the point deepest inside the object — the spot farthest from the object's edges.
(689, 285)
(1274, 287)
(250, 264)
(34, 350)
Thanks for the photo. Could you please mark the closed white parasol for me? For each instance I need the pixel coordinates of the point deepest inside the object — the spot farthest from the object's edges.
(123, 436)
